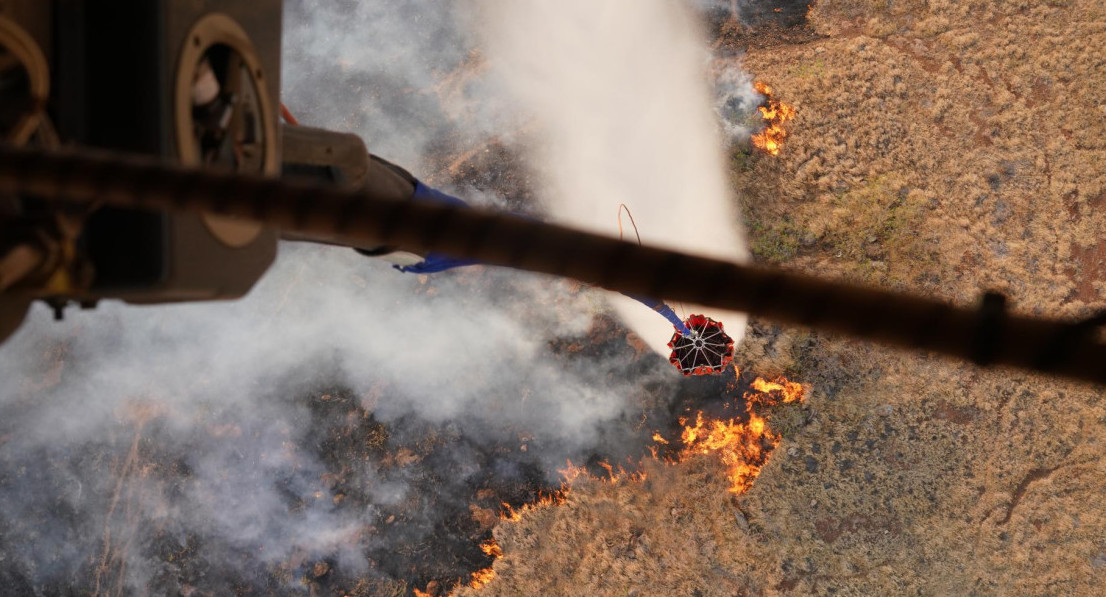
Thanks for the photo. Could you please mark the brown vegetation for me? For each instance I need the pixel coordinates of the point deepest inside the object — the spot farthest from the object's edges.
(942, 148)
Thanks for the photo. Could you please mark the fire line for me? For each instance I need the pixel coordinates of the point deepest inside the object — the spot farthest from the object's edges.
(743, 446)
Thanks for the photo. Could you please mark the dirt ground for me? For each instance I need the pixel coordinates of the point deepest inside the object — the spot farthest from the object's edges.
(943, 148)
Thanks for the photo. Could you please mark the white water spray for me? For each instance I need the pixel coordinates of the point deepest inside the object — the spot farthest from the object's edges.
(626, 116)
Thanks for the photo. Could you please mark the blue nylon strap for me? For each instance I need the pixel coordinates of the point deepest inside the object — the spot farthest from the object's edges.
(436, 262)
(670, 315)
(663, 309)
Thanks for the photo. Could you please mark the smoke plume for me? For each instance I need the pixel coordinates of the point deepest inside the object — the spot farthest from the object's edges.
(623, 101)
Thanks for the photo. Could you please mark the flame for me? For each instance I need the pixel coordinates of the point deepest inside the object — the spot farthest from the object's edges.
(775, 113)
(742, 446)
(569, 474)
(491, 549)
(552, 498)
(790, 391)
(482, 577)
(485, 576)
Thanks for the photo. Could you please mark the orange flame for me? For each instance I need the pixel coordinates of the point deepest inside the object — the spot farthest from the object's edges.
(775, 113)
(790, 391)
(742, 446)
(481, 578)
(491, 549)
(569, 474)
(485, 576)
(544, 499)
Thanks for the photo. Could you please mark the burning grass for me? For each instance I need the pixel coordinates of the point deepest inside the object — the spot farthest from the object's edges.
(878, 498)
(775, 114)
(741, 443)
(486, 575)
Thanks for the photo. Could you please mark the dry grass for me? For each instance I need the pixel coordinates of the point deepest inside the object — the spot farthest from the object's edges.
(965, 140)
(940, 147)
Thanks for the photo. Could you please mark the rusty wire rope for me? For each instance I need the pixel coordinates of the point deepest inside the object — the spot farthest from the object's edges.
(987, 335)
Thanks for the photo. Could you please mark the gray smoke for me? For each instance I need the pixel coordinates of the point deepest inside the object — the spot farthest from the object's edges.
(213, 396)
(736, 102)
(403, 74)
